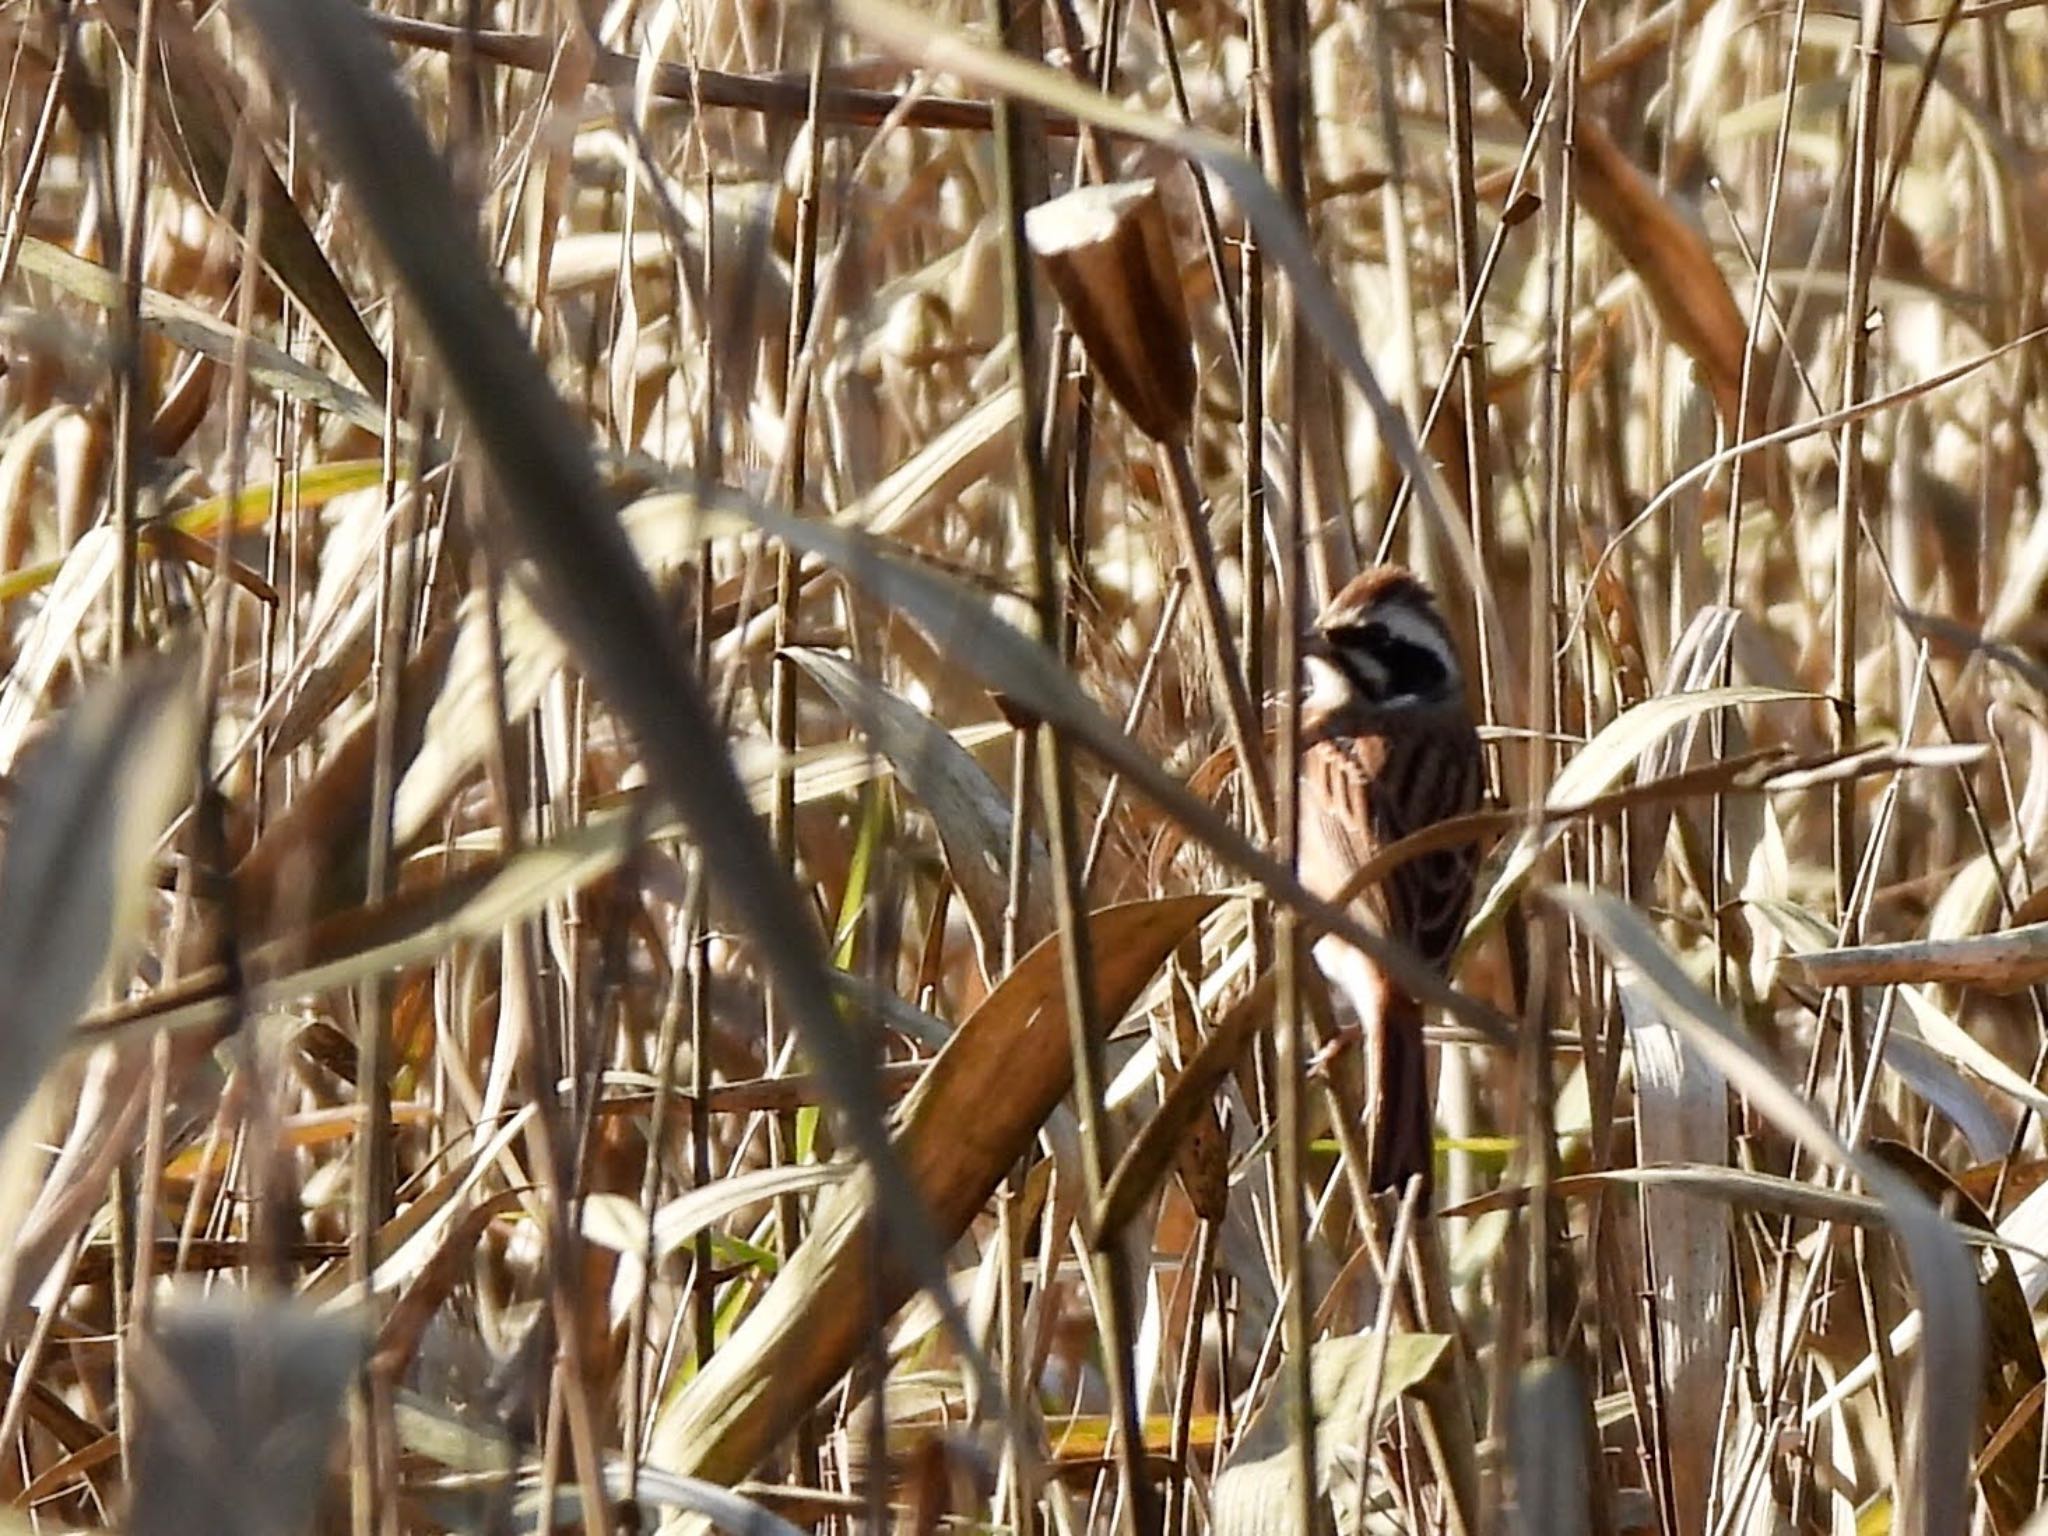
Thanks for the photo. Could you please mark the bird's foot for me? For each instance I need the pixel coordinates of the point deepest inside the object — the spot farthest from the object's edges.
(1342, 1039)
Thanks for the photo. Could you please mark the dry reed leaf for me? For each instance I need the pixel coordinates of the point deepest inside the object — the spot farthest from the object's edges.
(309, 862)
(952, 461)
(74, 879)
(1202, 1163)
(972, 815)
(620, 1224)
(310, 489)
(193, 112)
(1256, 1493)
(413, 927)
(963, 1129)
(408, 1247)
(1920, 1048)
(47, 640)
(1595, 768)
(1696, 661)
(556, 514)
(646, 1489)
(406, 1324)
(2007, 961)
(1164, 1134)
(1682, 1118)
(1743, 1187)
(919, 39)
(1950, 1364)
(530, 653)
(2010, 1438)
(194, 329)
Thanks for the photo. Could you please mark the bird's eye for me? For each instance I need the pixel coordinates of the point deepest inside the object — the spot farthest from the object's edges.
(1375, 634)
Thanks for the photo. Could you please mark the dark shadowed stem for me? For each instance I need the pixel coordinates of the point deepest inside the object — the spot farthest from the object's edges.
(1849, 497)
(1195, 1285)
(1538, 1068)
(1849, 460)
(703, 1288)
(1469, 361)
(131, 411)
(1255, 547)
(31, 177)
(373, 1184)
(1280, 62)
(782, 672)
(1228, 682)
(1137, 1511)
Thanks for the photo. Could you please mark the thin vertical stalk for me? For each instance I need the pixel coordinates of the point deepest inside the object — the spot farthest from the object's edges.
(1136, 1510)
(131, 415)
(1467, 364)
(1545, 600)
(1280, 59)
(1759, 304)
(703, 1292)
(1469, 358)
(1469, 322)
(1255, 544)
(371, 1194)
(1849, 475)
(1196, 1273)
(667, 1033)
(1251, 372)
(24, 192)
(782, 672)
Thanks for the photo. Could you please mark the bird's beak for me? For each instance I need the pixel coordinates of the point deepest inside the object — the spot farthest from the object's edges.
(1315, 645)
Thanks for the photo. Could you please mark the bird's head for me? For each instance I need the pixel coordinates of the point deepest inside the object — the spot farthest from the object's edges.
(1381, 644)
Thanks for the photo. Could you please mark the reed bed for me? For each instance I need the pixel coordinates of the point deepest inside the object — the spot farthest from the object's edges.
(649, 735)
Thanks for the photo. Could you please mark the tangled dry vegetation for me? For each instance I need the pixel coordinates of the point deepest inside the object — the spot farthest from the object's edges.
(630, 894)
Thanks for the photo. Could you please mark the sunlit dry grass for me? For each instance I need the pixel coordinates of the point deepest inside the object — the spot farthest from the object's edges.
(630, 895)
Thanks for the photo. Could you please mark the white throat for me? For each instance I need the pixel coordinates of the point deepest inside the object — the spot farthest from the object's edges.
(1328, 687)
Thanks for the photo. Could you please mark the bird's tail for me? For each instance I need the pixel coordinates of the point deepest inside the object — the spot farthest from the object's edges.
(1402, 1116)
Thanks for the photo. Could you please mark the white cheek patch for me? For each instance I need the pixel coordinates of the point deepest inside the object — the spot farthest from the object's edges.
(1328, 687)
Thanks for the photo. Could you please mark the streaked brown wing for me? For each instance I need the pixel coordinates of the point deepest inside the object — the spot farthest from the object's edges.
(1365, 792)
(1430, 775)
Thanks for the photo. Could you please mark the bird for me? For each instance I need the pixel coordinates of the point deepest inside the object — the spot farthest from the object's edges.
(1388, 748)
